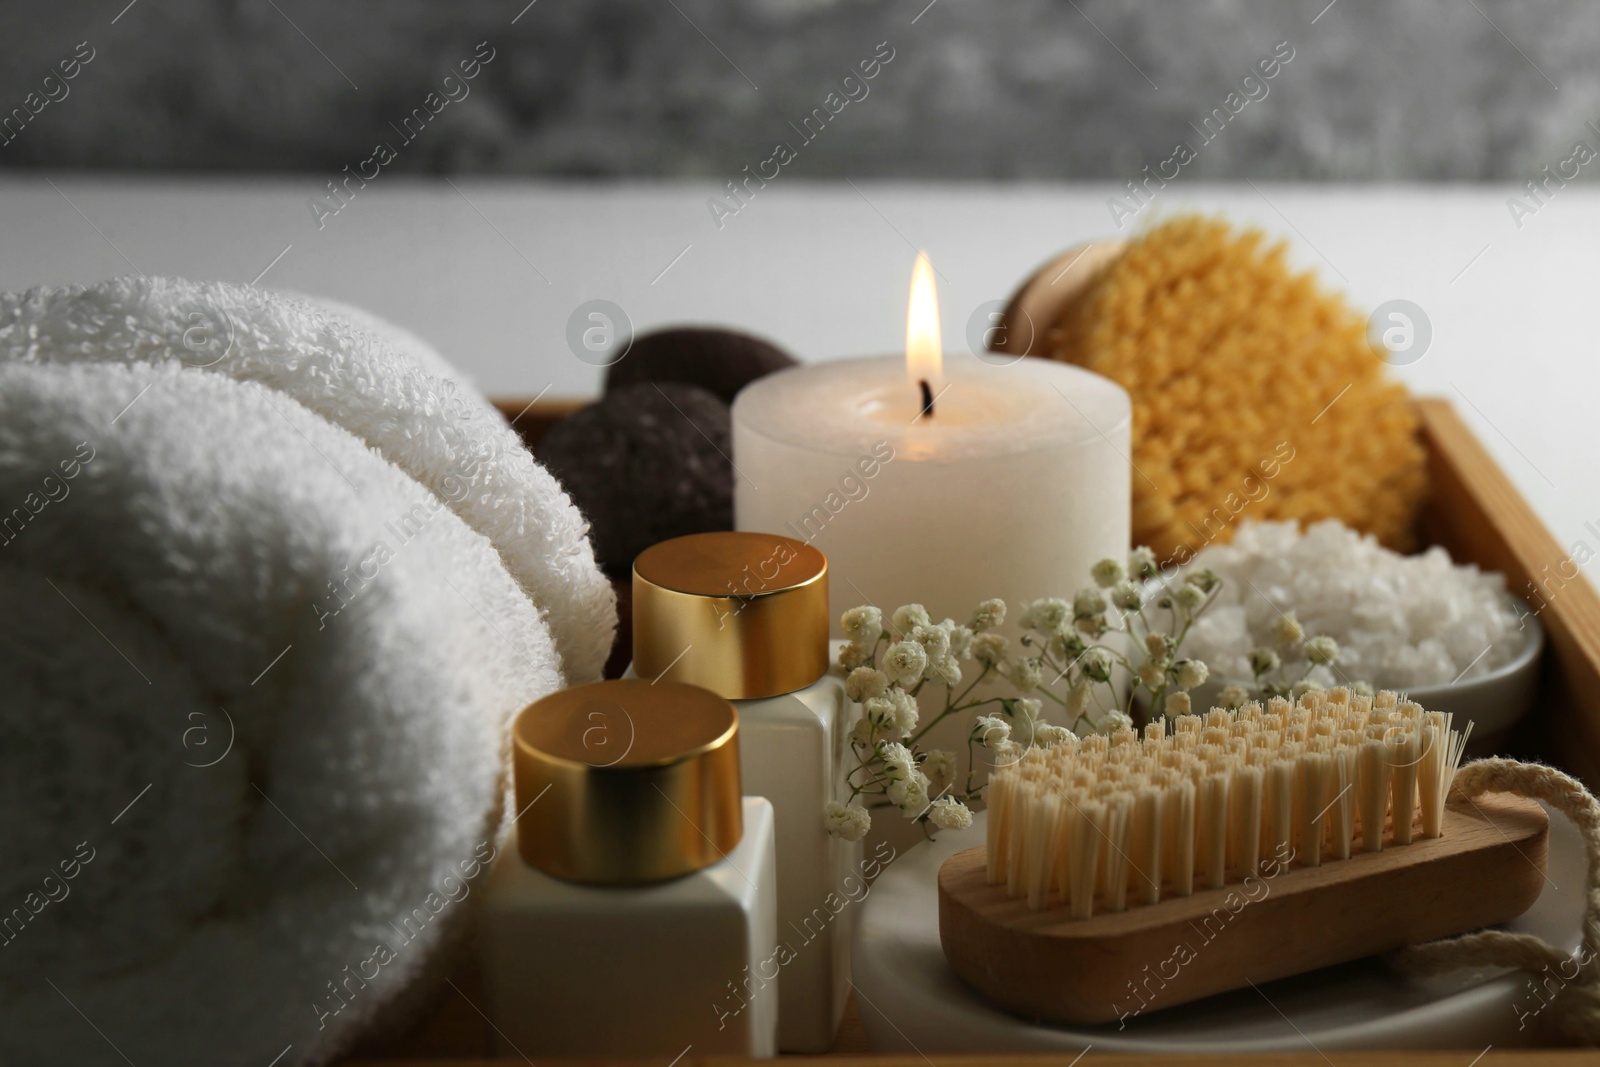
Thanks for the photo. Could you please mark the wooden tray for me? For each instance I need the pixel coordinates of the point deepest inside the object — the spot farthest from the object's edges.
(1474, 512)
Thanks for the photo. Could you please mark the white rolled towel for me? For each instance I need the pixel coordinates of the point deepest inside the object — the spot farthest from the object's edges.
(257, 683)
(398, 400)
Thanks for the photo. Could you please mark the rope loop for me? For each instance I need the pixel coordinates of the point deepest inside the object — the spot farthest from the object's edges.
(1577, 1003)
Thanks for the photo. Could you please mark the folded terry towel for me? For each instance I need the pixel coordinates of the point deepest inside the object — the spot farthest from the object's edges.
(428, 425)
(256, 685)
(400, 340)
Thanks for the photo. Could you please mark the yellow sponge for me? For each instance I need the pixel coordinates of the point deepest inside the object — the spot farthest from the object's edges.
(1255, 393)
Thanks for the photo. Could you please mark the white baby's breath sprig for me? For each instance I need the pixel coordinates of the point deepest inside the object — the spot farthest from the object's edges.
(862, 625)
(1091, 658)
(865, 682)
(1106, 573)
(908, 617)
(948, 813)
(990, 648)
(848, 821)
(991, 730)
(1287, 670)
(904, 662)
(940, 767)
(988, 615)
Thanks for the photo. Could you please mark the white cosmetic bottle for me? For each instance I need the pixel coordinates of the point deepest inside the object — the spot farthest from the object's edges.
(637, 917)
(745, 615)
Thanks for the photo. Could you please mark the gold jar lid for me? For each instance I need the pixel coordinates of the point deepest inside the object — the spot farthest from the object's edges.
(743, 614)
(628, 781)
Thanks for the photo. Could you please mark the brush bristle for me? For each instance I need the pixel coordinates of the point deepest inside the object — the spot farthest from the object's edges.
(1103, 822)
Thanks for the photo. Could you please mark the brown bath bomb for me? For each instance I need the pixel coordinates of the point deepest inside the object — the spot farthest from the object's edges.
(721, 361)
(644, 464)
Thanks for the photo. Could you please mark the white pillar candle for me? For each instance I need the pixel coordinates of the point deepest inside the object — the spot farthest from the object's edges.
(1011, 484)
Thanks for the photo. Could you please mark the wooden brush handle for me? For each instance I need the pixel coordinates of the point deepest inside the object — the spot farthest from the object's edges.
(1032, 316)
(1487, 868)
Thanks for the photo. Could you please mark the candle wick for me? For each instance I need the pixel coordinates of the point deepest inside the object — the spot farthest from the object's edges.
(927, 398)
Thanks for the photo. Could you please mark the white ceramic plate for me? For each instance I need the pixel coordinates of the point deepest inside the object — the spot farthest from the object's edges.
(911, 1001)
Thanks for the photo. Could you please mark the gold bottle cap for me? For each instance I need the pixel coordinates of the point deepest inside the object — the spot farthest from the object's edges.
(627, 781)
(743, 614)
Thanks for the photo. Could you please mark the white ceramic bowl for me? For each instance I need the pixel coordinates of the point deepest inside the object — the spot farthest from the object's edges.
(1493, 702)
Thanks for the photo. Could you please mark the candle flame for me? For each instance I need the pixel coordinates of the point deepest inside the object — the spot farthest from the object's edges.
(924, 351)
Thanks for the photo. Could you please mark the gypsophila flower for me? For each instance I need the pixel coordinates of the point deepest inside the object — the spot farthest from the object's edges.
(1088, 604)
(1287, 632)
(904, 662)
(1048, 733)
(1006, 753)
(989, 649)
(1127, 596)
(1025, 715)
(1096, 663)
(1190, 597)
(960, 638)
(1106, 573)
(879, 711)
(864, 625)
(910, 795)
(990, 730)
(897, 663)
(1113, 721)
(988, 615)
(947, 671)
(905, 710)
(1322, 649)
(948, 813)
(935, 641)
(940, 767)
(1068, 646)
(1264, 661)
(1190, 673)
(1363, 689)
(1094, 626)
(1232, 696)
(865, 682)
(908, 617)
(1047, 615)
(1302, 688)
(1152, 675)
(846, 820)
(1026, 674)
(854, 655)
(898, 763)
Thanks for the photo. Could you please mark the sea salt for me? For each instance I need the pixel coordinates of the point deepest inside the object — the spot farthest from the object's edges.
(1401, 621)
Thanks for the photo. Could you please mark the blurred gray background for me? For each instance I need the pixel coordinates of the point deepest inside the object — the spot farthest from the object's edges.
(993, 89)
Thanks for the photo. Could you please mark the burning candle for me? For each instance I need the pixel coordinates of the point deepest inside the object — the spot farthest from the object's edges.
(972, 479)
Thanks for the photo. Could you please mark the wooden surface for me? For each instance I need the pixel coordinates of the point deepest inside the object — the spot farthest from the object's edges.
(1477, 514)
(1487, 868)
(1474, 512)
(1490, 1058)
(1031, 319)
(1453, 1058)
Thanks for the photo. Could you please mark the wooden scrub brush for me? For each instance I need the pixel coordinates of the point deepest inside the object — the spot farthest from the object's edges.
(1133, 872)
